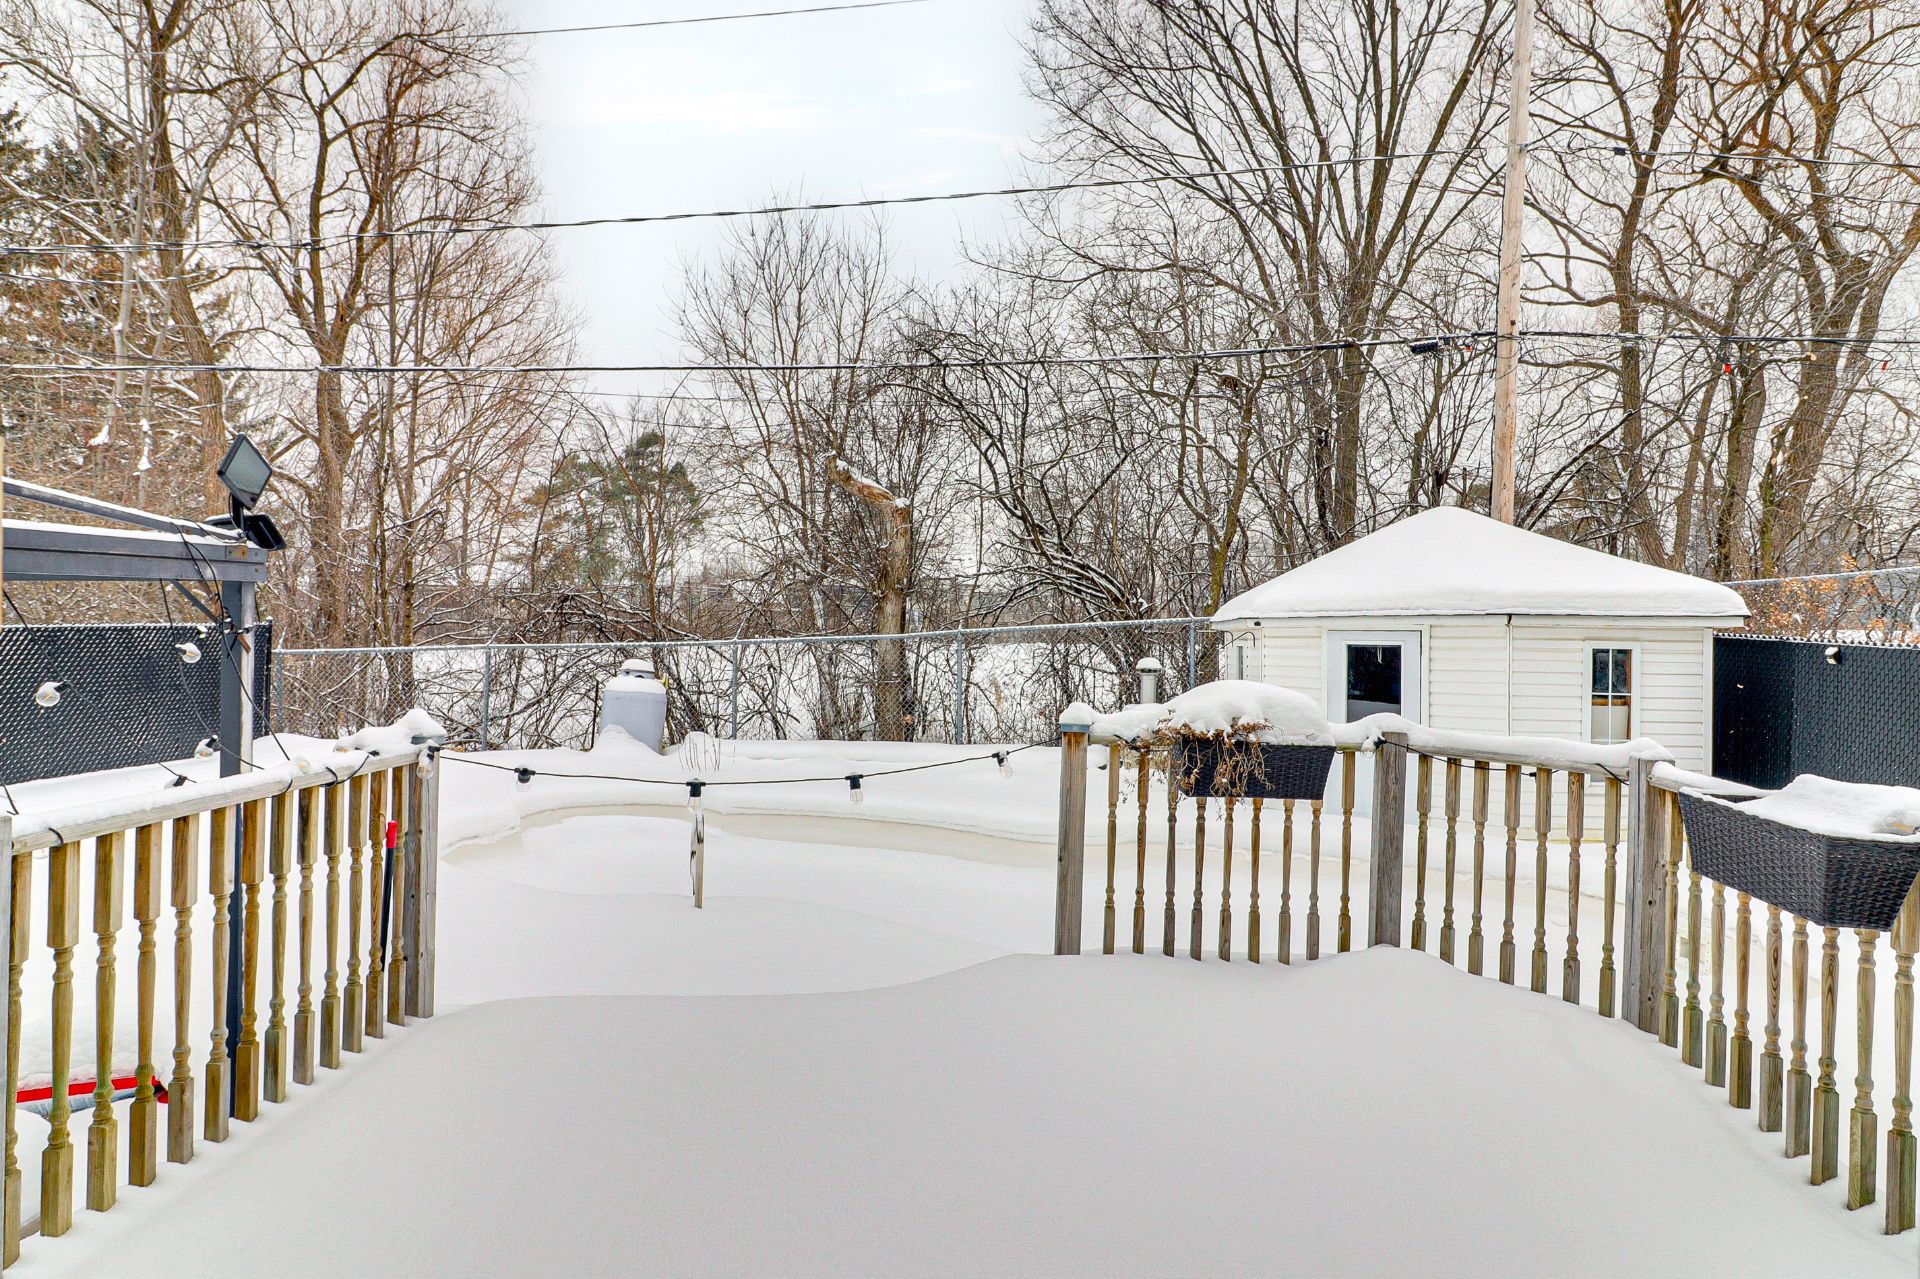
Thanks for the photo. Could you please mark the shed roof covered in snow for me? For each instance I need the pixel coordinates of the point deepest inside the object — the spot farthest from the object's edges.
(1452, 562)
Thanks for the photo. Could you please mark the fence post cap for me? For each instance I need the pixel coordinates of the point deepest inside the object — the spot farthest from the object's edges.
(1077, 718)
(1148, 664)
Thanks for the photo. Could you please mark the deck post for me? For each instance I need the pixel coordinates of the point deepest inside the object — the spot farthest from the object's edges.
(1645, 934)
(423, 885)
(1389, 851)
(1075, 723)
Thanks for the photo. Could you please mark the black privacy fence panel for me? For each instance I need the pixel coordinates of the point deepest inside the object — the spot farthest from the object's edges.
(1786, 707)
(132, 696)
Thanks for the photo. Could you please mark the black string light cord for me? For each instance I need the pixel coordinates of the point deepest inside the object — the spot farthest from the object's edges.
(694, 786)
(1406, 748)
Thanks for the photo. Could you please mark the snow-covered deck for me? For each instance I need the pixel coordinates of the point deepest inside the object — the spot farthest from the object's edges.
(845, 1065)
(1378, 1114)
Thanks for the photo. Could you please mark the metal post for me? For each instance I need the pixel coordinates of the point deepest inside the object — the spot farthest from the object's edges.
(733, 720)
(236, 745)
(1193, 654)
(959, 690)
(486, 698)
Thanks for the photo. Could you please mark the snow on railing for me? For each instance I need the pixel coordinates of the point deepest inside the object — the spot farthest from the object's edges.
(368, 815)
(1567, 801)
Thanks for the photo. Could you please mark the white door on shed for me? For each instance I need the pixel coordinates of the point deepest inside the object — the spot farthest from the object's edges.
(1369, 672)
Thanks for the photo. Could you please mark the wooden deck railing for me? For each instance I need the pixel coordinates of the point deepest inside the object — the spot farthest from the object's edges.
(1490, 821)
(298, 834)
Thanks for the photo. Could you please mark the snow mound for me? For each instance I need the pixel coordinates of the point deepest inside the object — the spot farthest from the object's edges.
(397, 735)
(1265, 713)
(1845, 810)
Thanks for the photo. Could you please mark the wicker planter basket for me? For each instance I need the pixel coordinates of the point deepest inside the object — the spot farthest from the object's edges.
(1827, 880)
(1239, 769)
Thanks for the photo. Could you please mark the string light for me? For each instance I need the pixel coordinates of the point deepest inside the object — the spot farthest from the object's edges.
(206, 748)
(523, 777)
(694, 803)
(189, 651)
(854, 792)
(48, 694)
(1006, 767)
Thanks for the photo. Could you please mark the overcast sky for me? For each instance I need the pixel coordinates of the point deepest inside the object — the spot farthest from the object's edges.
(899, 101)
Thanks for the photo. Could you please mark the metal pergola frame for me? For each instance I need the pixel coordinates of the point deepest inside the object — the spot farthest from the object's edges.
(165, 550)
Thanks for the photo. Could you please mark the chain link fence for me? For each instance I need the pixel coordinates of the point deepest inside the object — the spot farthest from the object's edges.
(1872, 606)
(1002, 684)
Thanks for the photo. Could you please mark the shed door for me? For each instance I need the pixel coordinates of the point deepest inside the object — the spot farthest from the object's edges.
(1373, 671)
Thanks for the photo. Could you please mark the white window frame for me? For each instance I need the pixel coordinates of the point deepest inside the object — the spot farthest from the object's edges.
(1334, 667)
(1634, 685)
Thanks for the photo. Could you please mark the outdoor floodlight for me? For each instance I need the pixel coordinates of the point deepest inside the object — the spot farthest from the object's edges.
(246, 472)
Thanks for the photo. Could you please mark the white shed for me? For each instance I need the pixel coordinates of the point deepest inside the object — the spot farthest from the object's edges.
(1461, 622)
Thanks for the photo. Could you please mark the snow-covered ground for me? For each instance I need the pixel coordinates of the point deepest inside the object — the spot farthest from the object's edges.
(844, 1065)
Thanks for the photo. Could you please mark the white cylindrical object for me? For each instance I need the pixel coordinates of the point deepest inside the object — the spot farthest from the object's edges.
(635, 702)
(1148, 669)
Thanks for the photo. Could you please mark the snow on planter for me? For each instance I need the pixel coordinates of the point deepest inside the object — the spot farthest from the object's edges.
(1838, 854)
(1234, 738)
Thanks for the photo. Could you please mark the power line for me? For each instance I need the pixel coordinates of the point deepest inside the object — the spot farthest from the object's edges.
(448, 36)
(453, 227)
(842, 366)
(1723, 157)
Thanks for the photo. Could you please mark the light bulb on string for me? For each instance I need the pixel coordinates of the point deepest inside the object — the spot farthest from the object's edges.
(206, 748)
(301, 764)
(1000, 758)
(426, 764)
(694, 803)
(49, 693)
(523, 777)
(189, 651)
(854, 792)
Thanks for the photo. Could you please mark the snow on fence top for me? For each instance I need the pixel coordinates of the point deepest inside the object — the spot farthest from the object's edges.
(1263, 712)
(1450, 561)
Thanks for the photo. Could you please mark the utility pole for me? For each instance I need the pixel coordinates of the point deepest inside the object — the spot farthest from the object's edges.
(1506, 340)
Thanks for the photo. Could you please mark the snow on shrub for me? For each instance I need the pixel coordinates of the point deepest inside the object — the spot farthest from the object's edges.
(1845, 810)
(1236, 708)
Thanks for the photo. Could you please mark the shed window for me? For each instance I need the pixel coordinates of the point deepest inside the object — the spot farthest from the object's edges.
(1610, 713)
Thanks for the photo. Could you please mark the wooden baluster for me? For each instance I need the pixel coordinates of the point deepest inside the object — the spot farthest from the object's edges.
(1693, 1026)
(336, 837)
(1226, 883)
(1423, 796)
(1576, 828)
(1611, 836)
(215, 1104)
(280, 863)
(1826, 1095)
(1173, 840)
(1144, 759)
(1716, 1072)
(246, 1053)
(1285, 954)
(184, 893)
(1669, 992)
(309, 837)
(1512, 816)
(22, 934)
(63, 934)
(1347, 763)
(103, 1133)
(1313, 882)
(377, 792)
(143, 1117)
(352, 1008)
(1863, 1125)
(1113, 842)
(1740, 1047)
(1196, 934)
(1453, 823)
(1542, 823)
(1476, 937)
(1901, 1147)
(1799, 1138)
(1253, 896)
(399, 873)
(1772, 1068)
